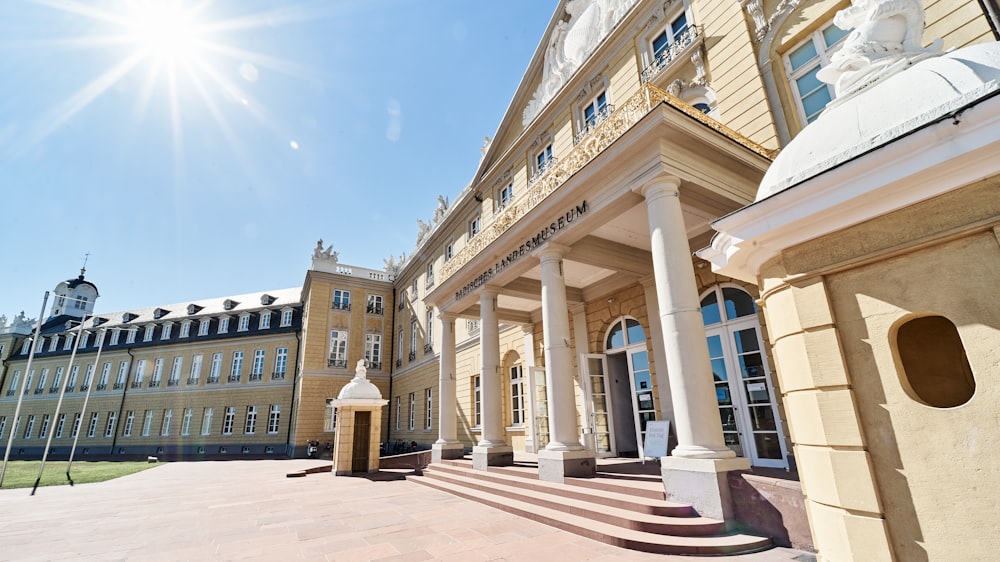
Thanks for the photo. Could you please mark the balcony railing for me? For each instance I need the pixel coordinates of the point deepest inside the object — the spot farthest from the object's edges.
(428, 348)
(39, 390)
(233, 378)
(173, 382)
(102, 386)
(373, 365)
(192, 380)
(399, 362)
(256, 376)
(12, 392)
(118, 386)
(53, 390)
(137, 384)
(278, 376)
(401, 305)
(670, 53)
(607, 132)
(212, 380)
(543, 167)
(412, 355)
(70, 388)
(591, 124)
(371, 309)
(336, 363)
(155, 383)
(341, 305)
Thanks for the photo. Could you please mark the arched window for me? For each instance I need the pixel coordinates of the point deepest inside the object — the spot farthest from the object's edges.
(624, 333)
(935, 368)
(737, 303)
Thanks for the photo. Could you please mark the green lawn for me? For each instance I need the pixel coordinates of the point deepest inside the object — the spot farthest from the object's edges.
(22, 474)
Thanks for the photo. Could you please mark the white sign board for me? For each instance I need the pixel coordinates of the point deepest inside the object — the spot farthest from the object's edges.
(657, 434)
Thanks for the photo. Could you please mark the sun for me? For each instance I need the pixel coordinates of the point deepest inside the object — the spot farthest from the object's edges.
(164, 30)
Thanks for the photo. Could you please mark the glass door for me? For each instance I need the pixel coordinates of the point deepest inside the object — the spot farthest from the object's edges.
(642, 394)
(595, 375)
(539, 408)
(723, 394)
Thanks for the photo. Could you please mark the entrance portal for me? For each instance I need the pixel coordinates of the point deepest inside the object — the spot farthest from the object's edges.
(362, 421)
(629, 385)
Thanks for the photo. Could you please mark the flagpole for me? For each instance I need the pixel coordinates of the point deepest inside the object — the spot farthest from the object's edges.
(83, 409)
(62, 393)
(20, 393)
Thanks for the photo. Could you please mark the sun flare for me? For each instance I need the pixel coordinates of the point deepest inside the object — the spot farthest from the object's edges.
(164, 30)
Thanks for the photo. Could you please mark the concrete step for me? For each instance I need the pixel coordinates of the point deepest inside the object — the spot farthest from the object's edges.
(581, 523)
(618, 497)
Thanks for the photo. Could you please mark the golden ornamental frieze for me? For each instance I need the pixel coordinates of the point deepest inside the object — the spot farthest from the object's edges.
(608, 131)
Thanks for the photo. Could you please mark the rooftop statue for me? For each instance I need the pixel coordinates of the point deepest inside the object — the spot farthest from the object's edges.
(328, 254)
(886, 39)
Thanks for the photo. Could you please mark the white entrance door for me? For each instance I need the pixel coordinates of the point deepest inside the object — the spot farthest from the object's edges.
(599, 436)
(539, 407)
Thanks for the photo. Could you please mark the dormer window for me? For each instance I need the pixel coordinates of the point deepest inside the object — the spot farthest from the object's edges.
(223, 325)
(84, 339)
(130, 337)
(229, 304)
(160, 313)
(194, 309)
(148, 335)
(69, 342)
(244, 323)
(127, 317)
(286, 317)
(266, 299)
(185, 329)
(26, 347)
(203, 326)
(54, 343)
(265, 320)
(165, 332)
(115, 336)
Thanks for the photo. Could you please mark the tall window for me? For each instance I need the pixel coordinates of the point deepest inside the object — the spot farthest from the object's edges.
(341, 300)
(673, 33)
(429, 281)
(105, 375)
(399, 347)
(413, 405)
(186, 422)
(168, 416)
(429, 327)
(165, 332)
(157, 372)
(399, 410)
(31, 378)
(129, 422)
(273, 418)
(280, 363)
(186, 329)
(474, 225)
(227, 422)
(66, 346)
(122, 373)
(195, 369)
(31, 426)
(85, 338)
(330, 417)
(414, 327)
(60, 424)
(3, 424)
(223, 325)
(140, 373)
(146, 336)
(203, 326)
(109, 428)
(428, 408)
(543, 160)
(42, 380)
(516, 396)
(147, 423)
(57, 382)
(91, 429)
(175, 372)
(595, 111)
(265, 320)
(115, 335)
(338, 349)
(71, 383)
(505, 195)
(77, 419)
(449, 251)
(477, 401)
(206, 421)
(286, 318)
(257, 370)
(244, 324)
(216, 371)
(374, 305)
(237, 369)
(251, 421)
(373, 351)
(802, 63)
(44, 431)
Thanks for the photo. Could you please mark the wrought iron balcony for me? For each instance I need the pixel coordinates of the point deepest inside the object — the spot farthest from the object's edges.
(340, 305)
(256, 376)
(670, 53)
(102, 386)
(192, 380)
(428, 348)
(155, 383)
(401, 305)
(173, 382)
(399, 362)
(11, 392)
(590, 125)
(53, 389)
(374, 365)
(539, 172)
(371, 309)
(70, 388)
(336, 363)
(278, 376)
(212, 380)
(137, 384)
(233, 378)
(118, 386)
(39, 390)
(412, 356)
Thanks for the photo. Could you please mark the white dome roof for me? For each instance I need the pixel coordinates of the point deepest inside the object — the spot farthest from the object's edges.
(359, 389)
(924, 93)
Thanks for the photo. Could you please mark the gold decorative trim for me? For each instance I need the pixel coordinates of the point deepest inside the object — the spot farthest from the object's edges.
(608, 131)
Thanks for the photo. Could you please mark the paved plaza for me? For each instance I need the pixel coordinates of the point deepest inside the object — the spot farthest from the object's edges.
(249, 510)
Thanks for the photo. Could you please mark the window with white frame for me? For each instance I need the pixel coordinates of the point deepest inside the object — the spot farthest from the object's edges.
(273, 419)
(449, 250)
(206, 421)
(429, 279)
(105, 375)
(374, 305)
(168, 416)
(85, 340)
(122, 373)
(338, 349)
(92, 428)
(129, 422)
(57, 382)
(227, 422)
(147, 423)
(330, 417)
(516, 396)
(185, 329)
(195, 373)
(60, 425)
(477, 402)
(244, 324)
(130, 336)
(146, 336)
(77, 419)
(595, 111)
(66, 346)
(44, 431)
(140, 372)
(414, 328)
(3, 424)
(186, 422)
(671, 34)
(280, 363)
(71, 383)
(341, 300)
(30, 426)
(54, 343)
(399, 410)
(109, 428)
(115, 336)
(413, 408)
(157, 372)
(399, 346)
(414, 288)
(203, 326)
(216, 371)
(175, 371)
(474, 225)
(543, 159)
(14, 380)
(803, 62)
(286, 318)
(429, 330)
(223, 325)
(265, 320)
(251, 421)
(31, 379)
(373, 351)
(42, 380)
(257, 370)
(504, 196)
(428, 408)
(237, 368)
(166, 331)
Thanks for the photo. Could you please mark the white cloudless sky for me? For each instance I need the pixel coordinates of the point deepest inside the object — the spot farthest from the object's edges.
(201, 150)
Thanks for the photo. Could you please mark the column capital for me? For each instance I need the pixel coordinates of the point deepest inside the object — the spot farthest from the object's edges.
(446, 316)
(490, 291)
(550, 251)
(661, 185)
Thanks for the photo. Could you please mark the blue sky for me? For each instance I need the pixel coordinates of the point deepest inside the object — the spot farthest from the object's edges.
(284, 123)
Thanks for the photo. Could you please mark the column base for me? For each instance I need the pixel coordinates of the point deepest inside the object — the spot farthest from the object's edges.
(444, 451)
(492, 455)
(701, 483)
(556, 466)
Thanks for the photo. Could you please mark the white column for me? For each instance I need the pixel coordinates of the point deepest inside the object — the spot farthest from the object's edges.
(564, 455)
(447, 446)
(491, 450)
(696, 411)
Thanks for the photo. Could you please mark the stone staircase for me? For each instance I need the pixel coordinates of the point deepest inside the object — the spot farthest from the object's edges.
(624, 510)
